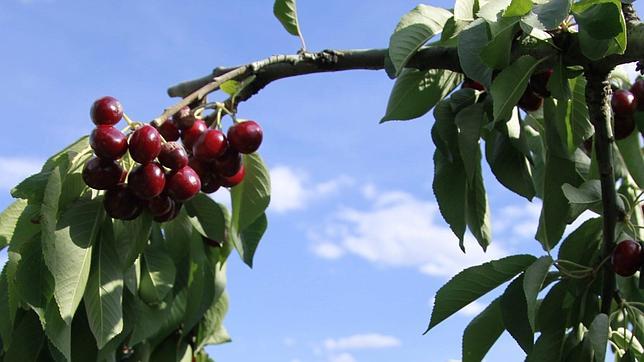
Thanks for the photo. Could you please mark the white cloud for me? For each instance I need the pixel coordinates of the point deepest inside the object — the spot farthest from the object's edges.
(15, 169)
(398, 230)
(361, 341)
(343, 357)
(629, 69)
(292, 189)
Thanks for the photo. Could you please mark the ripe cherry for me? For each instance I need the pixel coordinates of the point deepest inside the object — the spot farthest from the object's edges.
(192, 134)
(121, 203)
(160, 205)
(173, 213)
(168, 130)
(183, 184)
(627, 258)
(108, 142)
(103, 174)
(623, 126)
(201, 168)
(147, 181)
(472, 84)
(229, 163)
(234, 180)
(173, 156)
(210, 183)
(638, 91)
(145, 144)
(210, 145)
(245, 137)
(106, 111)
(623, 102)
(184, 118)
(539, 82)
(530, 101)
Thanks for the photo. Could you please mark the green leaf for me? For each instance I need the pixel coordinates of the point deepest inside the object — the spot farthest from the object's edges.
(415, 92)
(104, 292)
(131, 238)
(286, 12)
(18, 221)
(211, 328)
(482, 332)
(67, 244)
(250, 237)
(208, 216)
(178, 233)
(231, 86)
(625, 340)
(548, 15)
(478, 209)
(157, 274)
(32, 188)
(474, 282)
(469, 122)
(497, 52)
(554, 309)
(547, 347)
(201, 284)
(598, 335)
(28, 339)
(518, 8)
(471, 42)
(582, 245)
(631, 152)
(515, 314)
(464, 10)
(509, 85)
(602, 28)
(533, 280)
(415, 29)
(83, 343)
(72, 153)
(491, 10)
(508, 165)
(450, 189)
(7, 310)
(57, 331)
(33, 281)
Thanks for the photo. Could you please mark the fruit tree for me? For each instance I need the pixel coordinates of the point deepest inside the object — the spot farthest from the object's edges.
(116, 251)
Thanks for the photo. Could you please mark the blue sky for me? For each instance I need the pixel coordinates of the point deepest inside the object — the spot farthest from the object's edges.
(355, 248)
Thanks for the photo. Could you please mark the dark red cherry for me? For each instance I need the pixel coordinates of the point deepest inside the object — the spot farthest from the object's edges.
(183, 184)
(530, 101)
(192, 134)
(102, 174)
(176, 209)
(173, 156)
(168, 130)
(210, 183)
(638, 92)
(229, 163)
(121, 203)
(210, 145)
(108, 142)
(201, 168)
(627, 258)
(245, 137)
(472, 84)
(107, 111)
(147, 181)
(623, 103)
(623, 126)
(184, 118)
(160, 205)
(539, 82)
(234, 180)
(145, 144)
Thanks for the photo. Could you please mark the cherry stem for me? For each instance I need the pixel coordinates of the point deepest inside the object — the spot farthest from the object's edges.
(130, 123)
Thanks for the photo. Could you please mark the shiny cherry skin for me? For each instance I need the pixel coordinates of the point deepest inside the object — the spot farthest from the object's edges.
(623, 103)
(234, 180)
(145, 144)
(539, 82)
(192, 134)
(210, 183)
(103, 174)
(530, 101)
(638, 91)
(147, 181)
(160, 205)
(627, 258)
(168, 130)
(472, 84)
(108, 142)
(210, 145)
(184, 119)
(229, 163)
(201, 168)
(245, 137)
(183, 184)
(623, 126)
(121, 203)
(106, 111)
(173, 156)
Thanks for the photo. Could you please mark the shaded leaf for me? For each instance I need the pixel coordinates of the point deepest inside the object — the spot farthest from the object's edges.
(482, 332)
(286, 12)
(598, 336)
(515, 314)
(533, 280)
(509, 85)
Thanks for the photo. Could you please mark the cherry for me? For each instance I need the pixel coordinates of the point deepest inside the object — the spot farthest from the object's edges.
(623, 126)
(229, 163)
(106, 111)
(147, 181)
(245, 137)
(192, 134)
(121, 203)
(627, 258)
(160, 205)
(539, 82)
(638, 91)
(183, 184)
(145, 144)
(210, 184)
(184, 118)
(108, 142)
(102, 174)
(234, 180)
(168, 130)
(210, 145)
(623, 102)
(530, 101)
(472, 84)
(173, 156)
(201, 168)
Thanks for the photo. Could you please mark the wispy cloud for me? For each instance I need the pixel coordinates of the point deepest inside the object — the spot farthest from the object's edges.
(361, 341)
(342, 357)
(15, 169)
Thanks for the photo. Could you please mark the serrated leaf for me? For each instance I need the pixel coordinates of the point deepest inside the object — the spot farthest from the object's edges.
(157, 274)
(286, 12)
(497, 52)
(230, 86)
(548, 15)
(482, 332)
(471, 42)
(250, 237)
(478, 209)
(533, 280)
(515, 316)
(18, 221)
(509, 85)
(415, 29)
(491, 10)
(32, 188)
(104, 292)
(598, 336)
(7, 310)
(547, 347)
(211, 328)
(602, 28)
(208, 216)
(415, 92)
(450, 190)
(131, 238)
(469, 122)
(474, 282)
(464, 10)
(58, 332)
(33, 281)
(582, 245)
(510, 167)
(518, 8)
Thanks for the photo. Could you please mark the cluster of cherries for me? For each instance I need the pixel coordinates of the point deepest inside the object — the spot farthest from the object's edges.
(627, 258)
(167, 173)
(624, 104)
